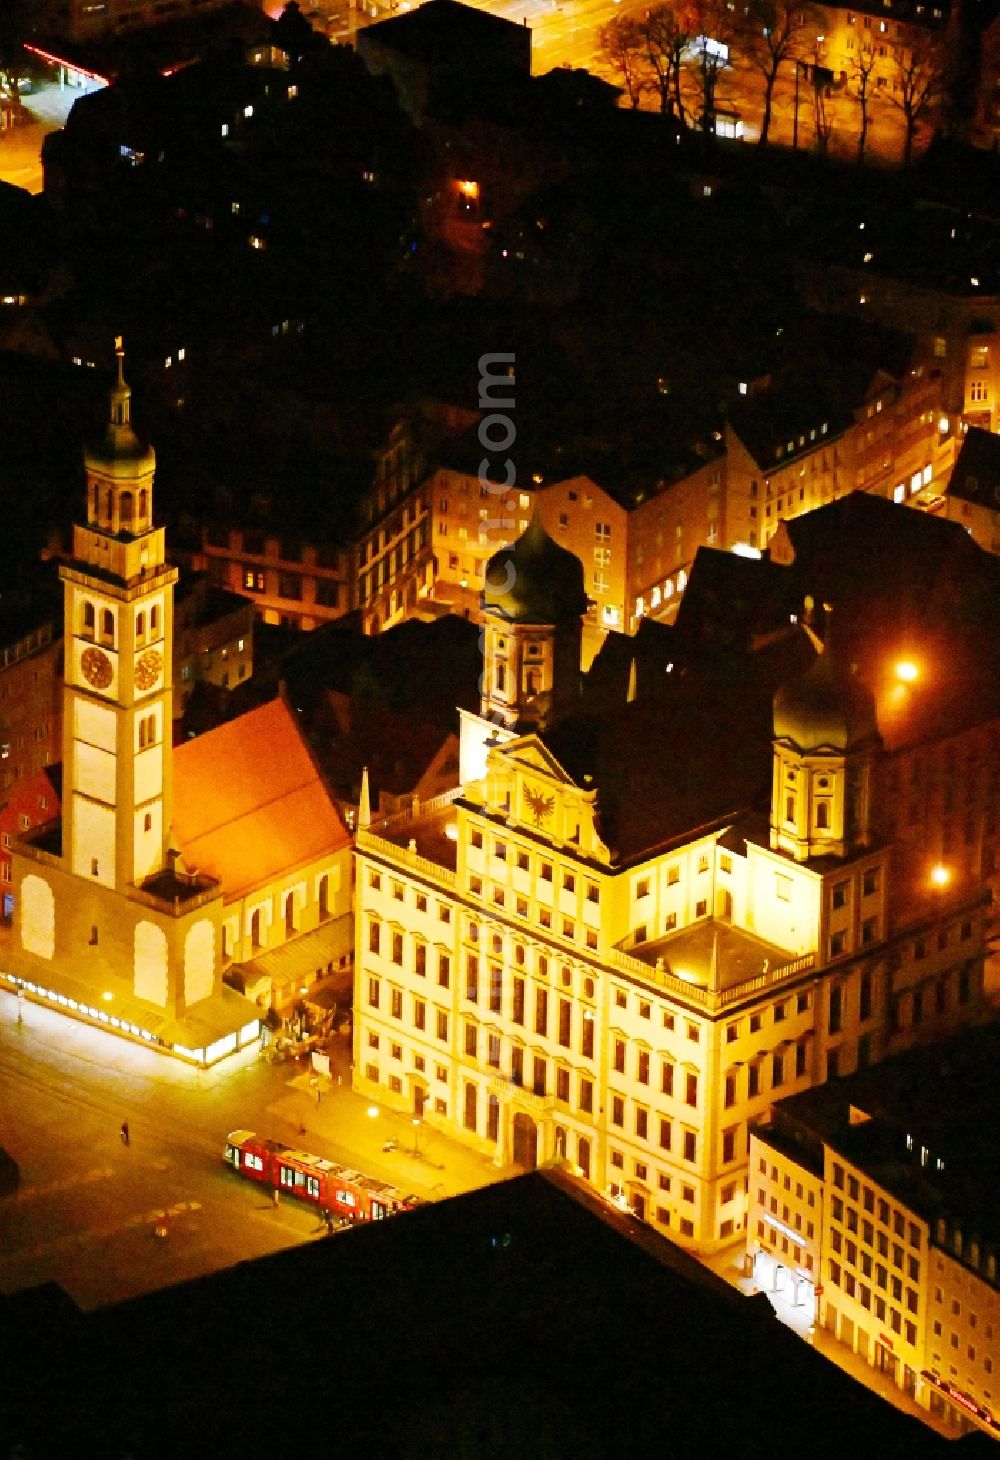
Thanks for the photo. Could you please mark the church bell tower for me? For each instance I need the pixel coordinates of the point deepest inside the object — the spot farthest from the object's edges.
(118, 633)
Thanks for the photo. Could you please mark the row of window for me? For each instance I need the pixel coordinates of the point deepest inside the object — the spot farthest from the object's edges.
(565, 926)
(88, 623)
(503, 851)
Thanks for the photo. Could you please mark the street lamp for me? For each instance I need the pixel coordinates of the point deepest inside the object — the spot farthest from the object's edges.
(940, 875)
(416, 1135)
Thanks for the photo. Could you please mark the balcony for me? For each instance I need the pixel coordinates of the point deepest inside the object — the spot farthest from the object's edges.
(711, 965)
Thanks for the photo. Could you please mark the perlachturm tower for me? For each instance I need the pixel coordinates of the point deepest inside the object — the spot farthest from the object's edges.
(108, 919)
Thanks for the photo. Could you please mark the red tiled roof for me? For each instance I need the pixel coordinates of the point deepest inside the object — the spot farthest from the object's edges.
(249, 804)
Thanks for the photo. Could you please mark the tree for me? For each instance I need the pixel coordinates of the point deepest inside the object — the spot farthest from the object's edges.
(861, 73)
(710, 23)
(623, 48)
(17, 24)
(919, 83)
(771, 32)
(669, 33)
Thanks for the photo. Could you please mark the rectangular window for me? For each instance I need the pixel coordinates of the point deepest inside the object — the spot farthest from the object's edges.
(587, 1096)
(442, 1024)
(565, 1022)
(541, 1011)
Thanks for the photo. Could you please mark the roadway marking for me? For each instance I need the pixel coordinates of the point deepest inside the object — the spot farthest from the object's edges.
(91, 1234)
(68, 1183)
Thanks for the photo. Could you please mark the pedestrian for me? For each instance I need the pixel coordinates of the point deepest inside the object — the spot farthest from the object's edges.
(319, 1094)
(275, 1195)
(125, 1136)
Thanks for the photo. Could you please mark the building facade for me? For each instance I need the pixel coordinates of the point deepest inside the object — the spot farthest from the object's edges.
(545, 982)
(870, 1206)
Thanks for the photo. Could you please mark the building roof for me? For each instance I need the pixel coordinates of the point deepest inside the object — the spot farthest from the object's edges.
(452, 1309)
(446, 33)
(941, 1098)
(976, 476)
(534, 580)
(904, 584)
(249, 804)
(826, 708)
(692, 755)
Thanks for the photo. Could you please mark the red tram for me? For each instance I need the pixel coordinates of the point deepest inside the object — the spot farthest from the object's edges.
(313, 1178)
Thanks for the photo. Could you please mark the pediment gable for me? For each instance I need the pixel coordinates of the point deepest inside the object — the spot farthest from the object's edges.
(529, 755)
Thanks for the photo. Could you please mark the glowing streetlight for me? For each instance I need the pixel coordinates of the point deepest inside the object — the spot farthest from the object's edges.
(107, 997)
(416, 1135)
(373, 1112)
(907, 671)
(940, 875)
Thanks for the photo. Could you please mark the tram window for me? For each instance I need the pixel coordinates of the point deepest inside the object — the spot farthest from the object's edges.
(287, 1176)
(347, 1198)
(312, 1186)
(378, 1211)
(254, 1162)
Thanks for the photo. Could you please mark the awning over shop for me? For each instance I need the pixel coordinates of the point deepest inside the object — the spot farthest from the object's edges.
(302, 960)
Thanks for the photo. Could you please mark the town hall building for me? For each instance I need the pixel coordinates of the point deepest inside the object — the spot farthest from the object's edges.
(610, 946)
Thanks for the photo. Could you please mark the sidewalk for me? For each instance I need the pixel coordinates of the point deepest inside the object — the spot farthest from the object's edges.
(729, 1265)
(327, 1118)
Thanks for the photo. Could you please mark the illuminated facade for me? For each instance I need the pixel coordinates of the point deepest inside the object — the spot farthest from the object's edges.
(167, 870)
(731, 490)
(870, 1206)
(587, 951)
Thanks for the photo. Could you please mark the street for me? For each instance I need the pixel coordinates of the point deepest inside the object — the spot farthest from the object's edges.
(88, 1206)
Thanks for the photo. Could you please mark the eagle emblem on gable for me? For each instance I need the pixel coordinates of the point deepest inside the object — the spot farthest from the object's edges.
(540, 805)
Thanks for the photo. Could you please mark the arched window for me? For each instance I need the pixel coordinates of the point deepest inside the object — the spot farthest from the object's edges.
(89, 620)
(143, 505)
(501, 678)
(324, 896)
(154, 619)
(109, 502)
(823, 815)
(125, 504)
(140, 625)
(108, 626)
(289, 914)
(470, 1105)
(583, 1156)
(790, 808)
(255, 928)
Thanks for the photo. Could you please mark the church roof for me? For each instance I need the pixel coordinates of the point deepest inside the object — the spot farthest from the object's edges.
(534, 580)
(249, 803)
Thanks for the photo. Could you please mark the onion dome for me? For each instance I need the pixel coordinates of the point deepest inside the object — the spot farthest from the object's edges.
(534, 580)
(120, 453)
(826, 708)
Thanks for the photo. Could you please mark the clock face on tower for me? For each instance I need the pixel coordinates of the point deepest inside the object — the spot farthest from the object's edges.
(97, 668)
(147, 669)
